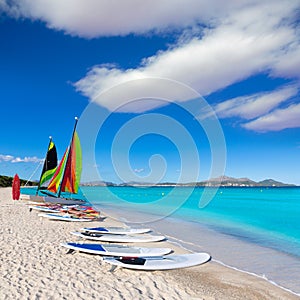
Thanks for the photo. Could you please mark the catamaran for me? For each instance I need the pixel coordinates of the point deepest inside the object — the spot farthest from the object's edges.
(49, 168)
(64, 178)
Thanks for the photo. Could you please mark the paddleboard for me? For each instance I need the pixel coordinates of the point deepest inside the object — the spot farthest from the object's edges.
(43, 208)
(119, 238)
(116, 250)
(167, 262)
(116, 230)
(68, 218)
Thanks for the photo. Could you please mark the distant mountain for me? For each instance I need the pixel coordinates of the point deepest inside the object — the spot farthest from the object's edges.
(272, 182)
(241, 182)
(98, 183)
(228, 181)
(213, 182)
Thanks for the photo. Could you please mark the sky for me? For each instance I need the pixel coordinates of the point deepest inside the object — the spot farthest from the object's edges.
(165, 91)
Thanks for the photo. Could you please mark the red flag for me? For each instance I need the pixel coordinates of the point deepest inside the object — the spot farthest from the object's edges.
(16, 188)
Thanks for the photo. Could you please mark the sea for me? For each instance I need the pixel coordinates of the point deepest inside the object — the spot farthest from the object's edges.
(252, 229)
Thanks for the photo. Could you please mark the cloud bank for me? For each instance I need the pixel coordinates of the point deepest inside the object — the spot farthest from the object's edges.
(277, 120)
(250, 39)
(262, 109)
(13, 159)
(94, 18)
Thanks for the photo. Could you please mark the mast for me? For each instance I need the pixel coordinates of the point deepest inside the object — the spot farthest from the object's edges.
(68, 158)
(45, 165)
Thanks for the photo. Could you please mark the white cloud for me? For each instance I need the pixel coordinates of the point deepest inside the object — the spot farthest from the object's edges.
(138, 170)
(6, 157)
(263, 110)
(277, 120)
(288, 65)
(12, 159)
(94, 18)
(256, 105)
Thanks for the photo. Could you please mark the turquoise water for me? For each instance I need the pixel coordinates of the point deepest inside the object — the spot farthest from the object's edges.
(268, 216)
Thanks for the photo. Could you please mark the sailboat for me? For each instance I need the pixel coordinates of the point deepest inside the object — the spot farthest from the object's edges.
(64, 183)
(49, 168)
(50, 165)
(64, 178)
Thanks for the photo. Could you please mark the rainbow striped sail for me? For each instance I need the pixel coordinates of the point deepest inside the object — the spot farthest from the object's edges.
(57, 177)
(67, 175)
(73, 167)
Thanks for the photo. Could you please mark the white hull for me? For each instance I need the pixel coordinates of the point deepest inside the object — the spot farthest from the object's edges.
(114, 238)
(115, 230)
(53, 200)
(116, 250)
(67, 218)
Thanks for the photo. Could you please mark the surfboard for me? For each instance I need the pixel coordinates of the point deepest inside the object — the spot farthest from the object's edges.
(116, 230)
(167, 262)
(16, 187)
(119, 238)
(116, 250)
(67, 218)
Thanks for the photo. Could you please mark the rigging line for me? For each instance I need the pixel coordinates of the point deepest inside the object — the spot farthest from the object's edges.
(41, 162)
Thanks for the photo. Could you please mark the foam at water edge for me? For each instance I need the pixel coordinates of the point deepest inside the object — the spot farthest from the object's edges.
(178, 243)
(256, 275)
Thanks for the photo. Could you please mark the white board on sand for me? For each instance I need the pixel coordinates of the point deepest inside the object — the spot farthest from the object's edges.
(121, 238)
(68, 218)
(116, 250)
(43, 208)
(166, 262)
(116, 230)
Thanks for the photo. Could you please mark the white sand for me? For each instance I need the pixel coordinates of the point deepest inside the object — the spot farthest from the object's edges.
(33, 265)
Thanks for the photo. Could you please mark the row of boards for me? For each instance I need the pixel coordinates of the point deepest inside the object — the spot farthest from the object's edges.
(138, 258)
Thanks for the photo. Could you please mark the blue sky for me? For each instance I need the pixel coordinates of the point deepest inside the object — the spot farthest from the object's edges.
(114, 68)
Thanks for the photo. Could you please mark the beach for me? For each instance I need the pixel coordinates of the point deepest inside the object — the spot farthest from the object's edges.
(34, 266)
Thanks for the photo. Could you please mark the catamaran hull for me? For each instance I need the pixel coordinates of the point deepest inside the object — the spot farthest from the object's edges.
(47, 199)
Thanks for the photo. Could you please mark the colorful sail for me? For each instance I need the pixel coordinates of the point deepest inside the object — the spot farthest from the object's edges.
(58, 175)
(50, 164)
(71, 179)
(67, 175)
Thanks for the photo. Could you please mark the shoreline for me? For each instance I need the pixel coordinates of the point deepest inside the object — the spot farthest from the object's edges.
(34, 265)
(195, 237)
